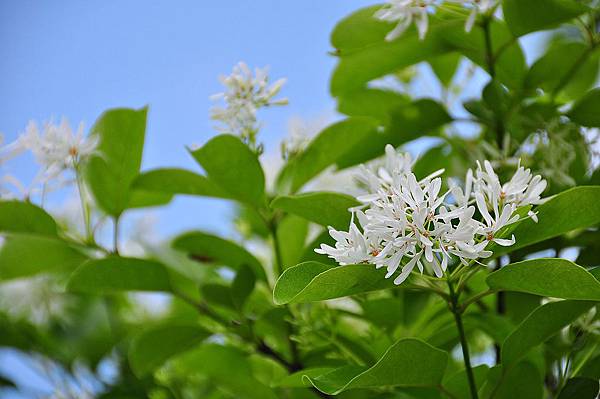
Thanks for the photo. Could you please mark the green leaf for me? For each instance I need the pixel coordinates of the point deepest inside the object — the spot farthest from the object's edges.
(585, 110)
(297, 380)
(116, 274)
(539, 326)
(292, 230)
(408, 363)
(359, 29)
(370, 102)
(445, 67)
(324, 150)
(144, 199)
(25, 217)
(111, 173)
(457, 384)
(229, 369)
(558, 278)
(522, 381)
(314, 281)
(528, 16)
(576, 208)
(218, 295)
(242, 286)
(26, 255)
(580, 388)
(407, 122)
(213, 249)
(178, 181)
(152, 347)
(324, 208)
(232, 166)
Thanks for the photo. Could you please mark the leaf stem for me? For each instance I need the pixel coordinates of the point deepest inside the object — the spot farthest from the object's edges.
(84, 208)
(116, 234)
(456, 311)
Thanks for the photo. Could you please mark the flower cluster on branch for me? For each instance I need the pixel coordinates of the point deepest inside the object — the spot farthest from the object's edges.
(406, 222)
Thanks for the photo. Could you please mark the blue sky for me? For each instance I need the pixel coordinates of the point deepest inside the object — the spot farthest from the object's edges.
(77, 59)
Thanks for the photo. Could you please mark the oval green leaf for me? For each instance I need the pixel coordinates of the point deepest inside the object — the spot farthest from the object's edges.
(116, 274)
(178, 181)
(528, 16)
(558, 278)
(25, 217)
(408, 363)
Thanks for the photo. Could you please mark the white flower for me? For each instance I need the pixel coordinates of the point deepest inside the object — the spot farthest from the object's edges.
(405, 223)
(477, 7)
(244, 94)
(56, 148)
(404, 12)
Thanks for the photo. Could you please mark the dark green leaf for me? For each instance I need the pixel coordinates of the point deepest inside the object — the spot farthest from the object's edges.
(152, 347)
(313, 281)
(115, 274)
(528, 16)
(297, 380)
(580, 388)
(218, 295)
(458, 385)
(521, 381)
(24, 217)
(212, 249)
(586, 110)
(26, 255)
(242, 286)
(231, 165)
(292, 230)
(407, 363)
(539, 326)
(558, 278)
(324, 208)
(326, 148)
(178, 181)
(111, 173)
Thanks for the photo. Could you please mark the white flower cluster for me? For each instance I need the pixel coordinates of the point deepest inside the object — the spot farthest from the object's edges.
(56, 148)
(404, 12)
(244, 94)
(405, 222)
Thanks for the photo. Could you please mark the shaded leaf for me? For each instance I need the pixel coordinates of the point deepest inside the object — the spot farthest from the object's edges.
(580, 388)
(528, 16)
(520, 381)
(585, 110)
(242, 286)
(539, 326)
(213, 249)
(152, 347)
(407, 363)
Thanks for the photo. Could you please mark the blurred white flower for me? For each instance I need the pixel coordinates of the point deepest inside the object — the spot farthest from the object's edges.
(405, 223)
(404, 12)
(56, 148)
(244, 94)
(477, 7)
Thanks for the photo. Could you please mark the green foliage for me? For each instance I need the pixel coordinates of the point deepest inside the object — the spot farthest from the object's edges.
(558, 278)
(111, 172)
(232, 166)
(325, 208)
(527, 16)
(585, 110)
(116, 274)
(178, 181)
(24, 217)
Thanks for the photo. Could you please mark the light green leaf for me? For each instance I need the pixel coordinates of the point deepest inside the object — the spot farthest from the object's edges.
(325, 149)
(585, 110)
(445, 67)
(25, 217)
(324, 208)
(314, 281)
(152, 347)
(232, 166)
(297, 380)
(539, 326)
(370, 102)
(144, 199)
(576, 208)
(116, 274)
(212, 249)
(359, 29)
(528, 16)
(111, 173)
(458, 384)
(178, 181)
(26, 255)
(408, 363)
(558, 278)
